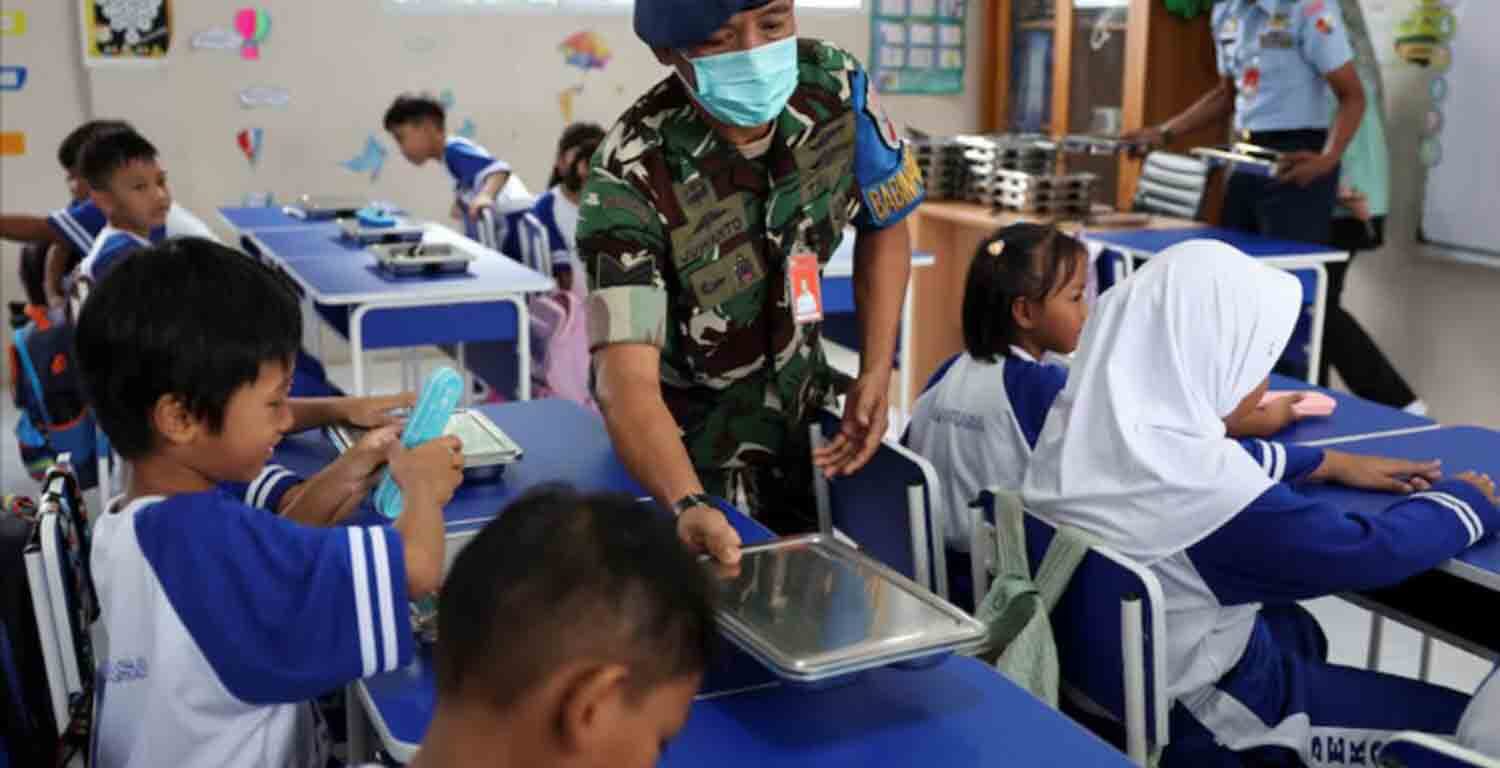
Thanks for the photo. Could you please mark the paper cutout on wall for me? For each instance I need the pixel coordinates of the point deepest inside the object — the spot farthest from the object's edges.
(215, 39)
(258, 200)
(249, 141)
(445, 98)
(585, 50)
(12, 78)
(126, 31)
(264, 96)
(12, 143)
(565, 102)
(370, 159)
(468, 129)
(1431, 152)
(12, 23)
(253, 26)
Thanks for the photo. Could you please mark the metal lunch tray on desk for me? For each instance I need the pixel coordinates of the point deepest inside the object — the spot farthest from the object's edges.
(815, 610)
(406, 259)
(402, 231)
(487, 449)
(324, 207)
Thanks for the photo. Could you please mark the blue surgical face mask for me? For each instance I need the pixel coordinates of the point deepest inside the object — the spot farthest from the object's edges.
(747, 88)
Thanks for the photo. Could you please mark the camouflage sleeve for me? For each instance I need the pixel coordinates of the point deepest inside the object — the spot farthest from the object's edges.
(620, 237)
(885, 167)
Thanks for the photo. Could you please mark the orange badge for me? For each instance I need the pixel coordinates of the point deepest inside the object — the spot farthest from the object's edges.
(1324, 25)
(1250, 83)
(805, 288)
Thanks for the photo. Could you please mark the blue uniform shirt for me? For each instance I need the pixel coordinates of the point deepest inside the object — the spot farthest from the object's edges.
(1279, 54)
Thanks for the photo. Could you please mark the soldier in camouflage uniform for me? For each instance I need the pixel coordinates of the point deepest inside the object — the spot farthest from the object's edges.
(758, 150)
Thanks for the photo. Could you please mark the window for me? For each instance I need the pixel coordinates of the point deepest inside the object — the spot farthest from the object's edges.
(579, 6)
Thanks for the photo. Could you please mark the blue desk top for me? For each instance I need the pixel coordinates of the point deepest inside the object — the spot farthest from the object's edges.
(961, 712)
(562, 443)
(336, 271)
(1150, 241)
(1355, 417)
(1460, 449)
(246, 218)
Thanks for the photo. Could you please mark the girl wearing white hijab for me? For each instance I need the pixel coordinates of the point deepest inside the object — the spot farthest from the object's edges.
(1135, 453)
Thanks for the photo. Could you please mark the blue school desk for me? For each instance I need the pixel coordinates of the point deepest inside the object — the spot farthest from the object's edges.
(1354, 419)
(1458, 600)
(959, 713)
(1283, 254)
(377, 310)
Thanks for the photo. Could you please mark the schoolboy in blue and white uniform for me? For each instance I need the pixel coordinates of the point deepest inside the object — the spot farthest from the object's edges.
(1135, 455)
(480, 181)
(222, 621)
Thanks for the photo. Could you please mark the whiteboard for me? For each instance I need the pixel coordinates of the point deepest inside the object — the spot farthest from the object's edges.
(1460, 211)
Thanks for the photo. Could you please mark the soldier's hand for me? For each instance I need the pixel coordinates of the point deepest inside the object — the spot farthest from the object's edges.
(866, 416)
(706, 530)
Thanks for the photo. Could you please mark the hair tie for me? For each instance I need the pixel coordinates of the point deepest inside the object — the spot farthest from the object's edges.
(996, 247)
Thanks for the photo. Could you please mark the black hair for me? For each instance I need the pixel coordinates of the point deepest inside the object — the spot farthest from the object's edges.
(72, 144)
(562, 576)
(584, 137)
(408, 108)
(110, 151)
(1022, 260)
(189, 318)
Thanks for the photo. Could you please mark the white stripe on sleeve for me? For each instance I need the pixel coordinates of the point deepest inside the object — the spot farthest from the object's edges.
(359, 573)
(382, 556)
(1461, 509)
(1278, 461)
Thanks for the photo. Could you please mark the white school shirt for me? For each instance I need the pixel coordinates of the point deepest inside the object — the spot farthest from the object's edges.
(222, 622)
(976, 423)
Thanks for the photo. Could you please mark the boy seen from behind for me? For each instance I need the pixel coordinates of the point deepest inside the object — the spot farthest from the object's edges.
(572, 631)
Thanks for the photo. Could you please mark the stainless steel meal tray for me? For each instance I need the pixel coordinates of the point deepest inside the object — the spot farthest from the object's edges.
(487, 449)
(417, 258)
(813, 609)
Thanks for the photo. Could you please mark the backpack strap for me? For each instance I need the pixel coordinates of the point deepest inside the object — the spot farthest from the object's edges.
(24, 356)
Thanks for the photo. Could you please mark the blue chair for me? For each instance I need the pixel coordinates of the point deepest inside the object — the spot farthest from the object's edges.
(1110, 627)
(1420, 750)
(888, 509)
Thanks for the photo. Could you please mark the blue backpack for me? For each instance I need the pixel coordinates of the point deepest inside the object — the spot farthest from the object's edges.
(54, 415)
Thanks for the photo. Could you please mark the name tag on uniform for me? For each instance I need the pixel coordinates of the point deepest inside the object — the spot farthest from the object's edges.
(1276, 39)
(805, 287)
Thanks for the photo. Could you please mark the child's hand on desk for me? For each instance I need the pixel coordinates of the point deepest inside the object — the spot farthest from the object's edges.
(430, 472)
(1376, 473)
(1483, 482)
(374, 412)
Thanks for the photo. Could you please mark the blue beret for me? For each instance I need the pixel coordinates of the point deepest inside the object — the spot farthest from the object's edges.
(684, 23)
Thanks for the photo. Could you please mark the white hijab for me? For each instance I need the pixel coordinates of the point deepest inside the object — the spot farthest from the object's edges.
(1134, 451)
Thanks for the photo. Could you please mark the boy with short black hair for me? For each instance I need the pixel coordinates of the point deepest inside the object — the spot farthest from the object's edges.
(128, 184)
(419, 126)
(223, 621)
(572, 631)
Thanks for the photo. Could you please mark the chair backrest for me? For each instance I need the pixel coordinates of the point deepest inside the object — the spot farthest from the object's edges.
(1172, 185)
(1110, 629)
(868, 507)
(1420, 750)
(61, 592)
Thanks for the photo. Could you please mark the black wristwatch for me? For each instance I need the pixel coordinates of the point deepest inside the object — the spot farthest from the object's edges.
(689, 501)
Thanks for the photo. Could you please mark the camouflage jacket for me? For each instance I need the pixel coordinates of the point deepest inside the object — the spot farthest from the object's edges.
(686, 242)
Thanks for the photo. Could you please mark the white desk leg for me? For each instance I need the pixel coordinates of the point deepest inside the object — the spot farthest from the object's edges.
(1320, 317)
(357, 348)
(905, 354)
(523, 348)
(355, 727)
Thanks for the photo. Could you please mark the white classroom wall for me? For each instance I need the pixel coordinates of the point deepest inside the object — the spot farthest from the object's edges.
(1438, 321)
